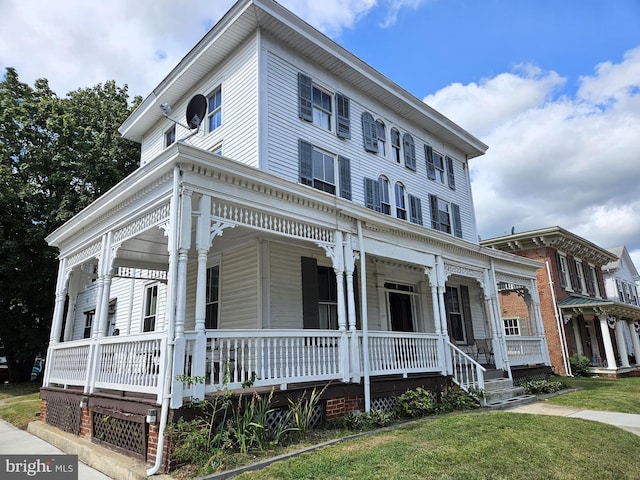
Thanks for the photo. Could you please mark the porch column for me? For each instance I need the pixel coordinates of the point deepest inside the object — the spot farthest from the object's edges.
(354, 346)
(500, 356)
(58, 309)
(608, 345)
(441, 280)
(338, 268)
(635, 340)
(102, 314)
(622, 344)
(431, 274)
(72, 292)
(203, 243)
(576, 332)
(537, 318)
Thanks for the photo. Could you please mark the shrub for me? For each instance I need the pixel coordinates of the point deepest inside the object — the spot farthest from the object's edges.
(415, 403)
(366, 420)
(580, 366)
(455, 399)
(541, 386)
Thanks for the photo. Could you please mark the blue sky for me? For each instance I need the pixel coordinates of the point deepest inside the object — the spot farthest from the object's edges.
(553, 87)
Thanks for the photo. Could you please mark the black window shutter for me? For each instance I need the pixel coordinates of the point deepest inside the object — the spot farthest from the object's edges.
(466, 311)
(372, 194)
(409, 152)
(431, 169)
(415, 205)
(450, 175)
(573, 274)
(563, 281)
(435, 216)
(344, 167)
(310, 314)
(588, 279)
(343, 117)
(369, 133)
(305, 163)
(455, 218)
(305, 105)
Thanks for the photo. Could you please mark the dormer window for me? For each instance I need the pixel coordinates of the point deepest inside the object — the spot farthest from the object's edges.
(215, 109)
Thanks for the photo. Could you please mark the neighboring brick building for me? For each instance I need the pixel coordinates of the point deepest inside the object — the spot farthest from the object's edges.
(577, 314)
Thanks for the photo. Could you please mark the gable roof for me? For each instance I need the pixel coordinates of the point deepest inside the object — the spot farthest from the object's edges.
(555, 237)
(243, 20)
(623, 258)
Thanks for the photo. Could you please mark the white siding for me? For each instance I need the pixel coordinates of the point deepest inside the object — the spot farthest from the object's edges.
(285, 287)
(239, 288)
(285, 128)
(238, 77)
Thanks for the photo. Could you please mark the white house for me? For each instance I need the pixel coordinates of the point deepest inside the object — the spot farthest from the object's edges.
(318, 227)
(621, 285)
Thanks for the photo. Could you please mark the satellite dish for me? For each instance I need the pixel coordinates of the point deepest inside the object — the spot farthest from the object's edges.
(196, 110)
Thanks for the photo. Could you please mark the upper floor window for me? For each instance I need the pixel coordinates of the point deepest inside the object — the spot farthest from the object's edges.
(445, 216)
(409, 152)
(343, 116)
(395, 144)
(369, 133)
(321, 101)
(563, 271)
(212, 297)
(582, 285)
(170, 136)
(381, 135)
(150, 308)
(439, 168)
(385, 202)
(317, 168)
(401, 205)
(594, 281)
(215, 109)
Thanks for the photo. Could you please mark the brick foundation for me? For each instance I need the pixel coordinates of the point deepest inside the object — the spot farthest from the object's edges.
(43, 410)
(339, 407)
(85, 423)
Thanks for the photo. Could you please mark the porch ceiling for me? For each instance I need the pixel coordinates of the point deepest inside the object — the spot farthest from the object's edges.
(146, 250)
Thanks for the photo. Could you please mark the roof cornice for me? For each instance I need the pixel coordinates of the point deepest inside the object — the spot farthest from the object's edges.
(553, 237)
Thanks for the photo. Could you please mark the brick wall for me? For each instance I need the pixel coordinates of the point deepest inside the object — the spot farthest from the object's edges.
(339, 407)
(85, 422)
(43, 410)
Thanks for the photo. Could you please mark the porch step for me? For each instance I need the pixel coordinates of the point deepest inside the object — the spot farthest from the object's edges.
(511, 402)
(500, 393)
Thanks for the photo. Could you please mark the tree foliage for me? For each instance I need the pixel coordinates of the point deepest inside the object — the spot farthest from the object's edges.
(57, 155)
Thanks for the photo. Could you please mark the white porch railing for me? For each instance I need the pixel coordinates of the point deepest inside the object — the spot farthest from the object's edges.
(68, 363)
(402, 353)
(237, 358)
(525, 350)
(131, 363)
(467, 373)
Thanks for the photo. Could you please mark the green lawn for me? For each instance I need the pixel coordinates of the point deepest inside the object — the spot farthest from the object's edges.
(494, 445)
(19, 403)
(609, 394)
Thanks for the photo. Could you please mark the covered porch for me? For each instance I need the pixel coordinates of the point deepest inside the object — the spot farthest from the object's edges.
(604, 331)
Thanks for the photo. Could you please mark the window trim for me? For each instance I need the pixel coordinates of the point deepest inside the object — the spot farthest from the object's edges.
(146, 306)
(385, 184)
(214, 112)
(169, 136)
(400, 194)
(381, 137)
(396, 148)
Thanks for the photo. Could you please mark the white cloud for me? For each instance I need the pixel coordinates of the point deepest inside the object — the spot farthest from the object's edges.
(564, 161)
(394, 7)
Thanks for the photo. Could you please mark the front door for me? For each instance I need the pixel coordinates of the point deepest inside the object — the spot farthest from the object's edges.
(400, 308)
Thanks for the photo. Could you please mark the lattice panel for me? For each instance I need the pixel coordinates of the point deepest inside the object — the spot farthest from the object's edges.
(386, 404)
(127, 433)
(64, 413)
(276, 417)
(519, 381)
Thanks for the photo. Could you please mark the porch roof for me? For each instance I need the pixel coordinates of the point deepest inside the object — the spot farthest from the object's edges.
(597, 306)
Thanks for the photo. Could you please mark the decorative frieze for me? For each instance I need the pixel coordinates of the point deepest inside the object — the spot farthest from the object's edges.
(89, 252)
(464, 271)
(154, 218)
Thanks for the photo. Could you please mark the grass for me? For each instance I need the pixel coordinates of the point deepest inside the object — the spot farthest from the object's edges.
(596, 393)
(495, 445)
(19, 403)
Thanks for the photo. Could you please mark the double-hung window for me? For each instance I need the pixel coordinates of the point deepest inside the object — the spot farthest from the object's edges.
(582, 285)
(395, 145)
(511, 326)
(401, 204)
(563, 271)
(212, 297)
(324, 170)
(170, 136)
(594, 280)
(321, 105)
(214, 117)
(150, 308)
(88, 322)
(385, 202)
(445, 216)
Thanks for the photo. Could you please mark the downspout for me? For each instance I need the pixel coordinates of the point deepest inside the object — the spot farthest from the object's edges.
(563, 338)
(170, 325)
(365, 322)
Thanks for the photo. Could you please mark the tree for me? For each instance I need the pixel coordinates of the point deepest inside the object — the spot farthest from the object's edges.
(57, 155)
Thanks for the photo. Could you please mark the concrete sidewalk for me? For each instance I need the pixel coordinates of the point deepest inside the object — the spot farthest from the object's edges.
(18, 442)
(626, 421)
